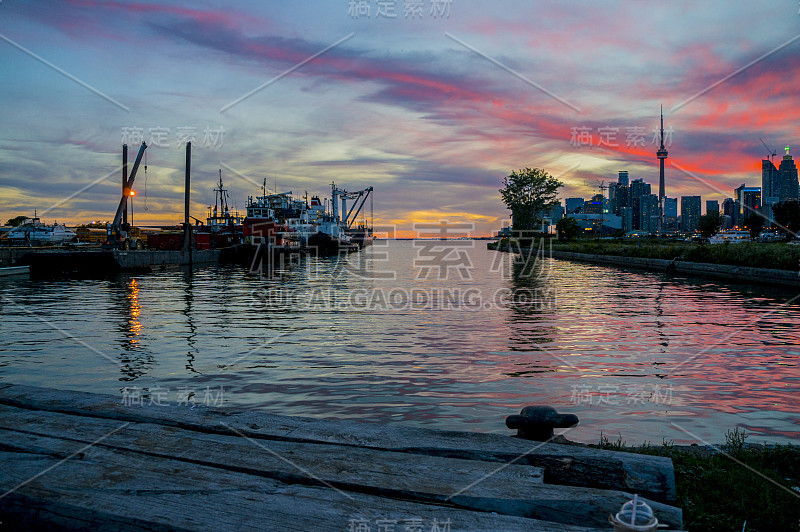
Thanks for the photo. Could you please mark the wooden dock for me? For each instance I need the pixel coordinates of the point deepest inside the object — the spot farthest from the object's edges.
(77, 461)
(91, 262)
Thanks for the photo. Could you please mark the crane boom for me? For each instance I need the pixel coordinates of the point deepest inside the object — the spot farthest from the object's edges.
(365, 194)
(128, 186)
(769, 151)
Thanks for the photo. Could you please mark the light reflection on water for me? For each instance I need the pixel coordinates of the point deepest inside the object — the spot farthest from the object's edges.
(629, 352)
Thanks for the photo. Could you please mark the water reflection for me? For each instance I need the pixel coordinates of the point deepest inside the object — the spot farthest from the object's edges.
(727, 353)
(191, 337)
(134, 327)
(135, 359)
(533, 301)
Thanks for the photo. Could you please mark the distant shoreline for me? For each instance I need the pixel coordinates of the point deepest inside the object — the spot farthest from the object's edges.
(678, 264)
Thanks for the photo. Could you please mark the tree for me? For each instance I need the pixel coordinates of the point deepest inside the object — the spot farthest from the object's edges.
(754, 222)
(787, 215)
(16, 221)
(568, 228)
(528, 193)
(709, 224)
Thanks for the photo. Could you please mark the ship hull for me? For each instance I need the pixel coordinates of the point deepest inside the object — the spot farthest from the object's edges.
(324, 244)
(362, 237)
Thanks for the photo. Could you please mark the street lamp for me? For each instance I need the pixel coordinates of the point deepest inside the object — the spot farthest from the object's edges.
(132, 193)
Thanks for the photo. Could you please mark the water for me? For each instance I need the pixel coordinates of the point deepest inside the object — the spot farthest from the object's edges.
(632, 353)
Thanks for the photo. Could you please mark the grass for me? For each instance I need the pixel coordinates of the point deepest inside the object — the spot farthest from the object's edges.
(719, 491)
(778, 256)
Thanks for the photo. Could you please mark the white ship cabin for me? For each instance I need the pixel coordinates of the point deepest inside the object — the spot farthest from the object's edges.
(316, 210)
(259, 207)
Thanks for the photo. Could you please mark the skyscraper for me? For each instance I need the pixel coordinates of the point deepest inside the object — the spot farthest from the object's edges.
(617, 197)
(729, 212)
(650, 213)
(770, 186)
(748, 202)
(638, 189)
(788, 178)
(626, 220)
(670, 214)
(662, 155)
(690, 213)
(623, 178)
(712, 207)
(778, 184)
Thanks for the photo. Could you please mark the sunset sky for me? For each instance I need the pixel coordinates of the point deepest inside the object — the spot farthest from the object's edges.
(432, 109)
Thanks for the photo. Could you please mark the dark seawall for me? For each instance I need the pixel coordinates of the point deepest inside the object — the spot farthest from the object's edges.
(720, 271)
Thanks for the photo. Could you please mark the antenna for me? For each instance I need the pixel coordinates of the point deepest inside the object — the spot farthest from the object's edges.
(771, 152)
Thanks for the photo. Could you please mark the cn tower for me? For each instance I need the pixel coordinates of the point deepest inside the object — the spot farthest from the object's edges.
(661, 154)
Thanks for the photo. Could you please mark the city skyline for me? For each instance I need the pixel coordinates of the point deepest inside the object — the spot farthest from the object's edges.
(631, 206)
(431, 110)
(667, 196)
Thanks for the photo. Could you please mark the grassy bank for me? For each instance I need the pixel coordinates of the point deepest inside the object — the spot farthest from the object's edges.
(722, 490)
(777, 256)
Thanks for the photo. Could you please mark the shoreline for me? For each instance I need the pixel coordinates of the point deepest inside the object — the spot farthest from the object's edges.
(706, 269)
(675, 266)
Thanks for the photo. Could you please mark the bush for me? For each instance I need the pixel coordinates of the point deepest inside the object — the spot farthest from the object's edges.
(743, 482)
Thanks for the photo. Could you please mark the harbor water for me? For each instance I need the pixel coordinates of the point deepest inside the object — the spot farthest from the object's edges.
(441, 334)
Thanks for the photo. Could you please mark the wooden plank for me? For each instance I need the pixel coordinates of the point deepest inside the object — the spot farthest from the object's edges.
(102, 488)
(505, 489)
(394, 474)
(650, 476)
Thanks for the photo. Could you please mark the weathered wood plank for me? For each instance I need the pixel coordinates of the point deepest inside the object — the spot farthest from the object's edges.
(106, 489)
(380, 472)
(506, 489)
(650, 476)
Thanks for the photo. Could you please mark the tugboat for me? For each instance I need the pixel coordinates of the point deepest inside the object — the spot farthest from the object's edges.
(223, 228)
(265, 223)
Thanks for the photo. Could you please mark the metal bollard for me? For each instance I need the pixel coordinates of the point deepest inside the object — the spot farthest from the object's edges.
(537, 422)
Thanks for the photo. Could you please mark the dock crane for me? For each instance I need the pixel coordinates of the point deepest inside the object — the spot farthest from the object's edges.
(117, 236)
(360, 198)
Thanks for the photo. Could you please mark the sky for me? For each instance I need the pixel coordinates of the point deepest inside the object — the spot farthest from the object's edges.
(430, 102)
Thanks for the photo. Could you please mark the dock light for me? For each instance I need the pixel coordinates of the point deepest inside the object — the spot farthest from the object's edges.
(133, 193)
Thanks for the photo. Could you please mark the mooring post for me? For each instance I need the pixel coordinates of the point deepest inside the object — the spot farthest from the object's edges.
(187, 240)
(537, 422)
(125, 182)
